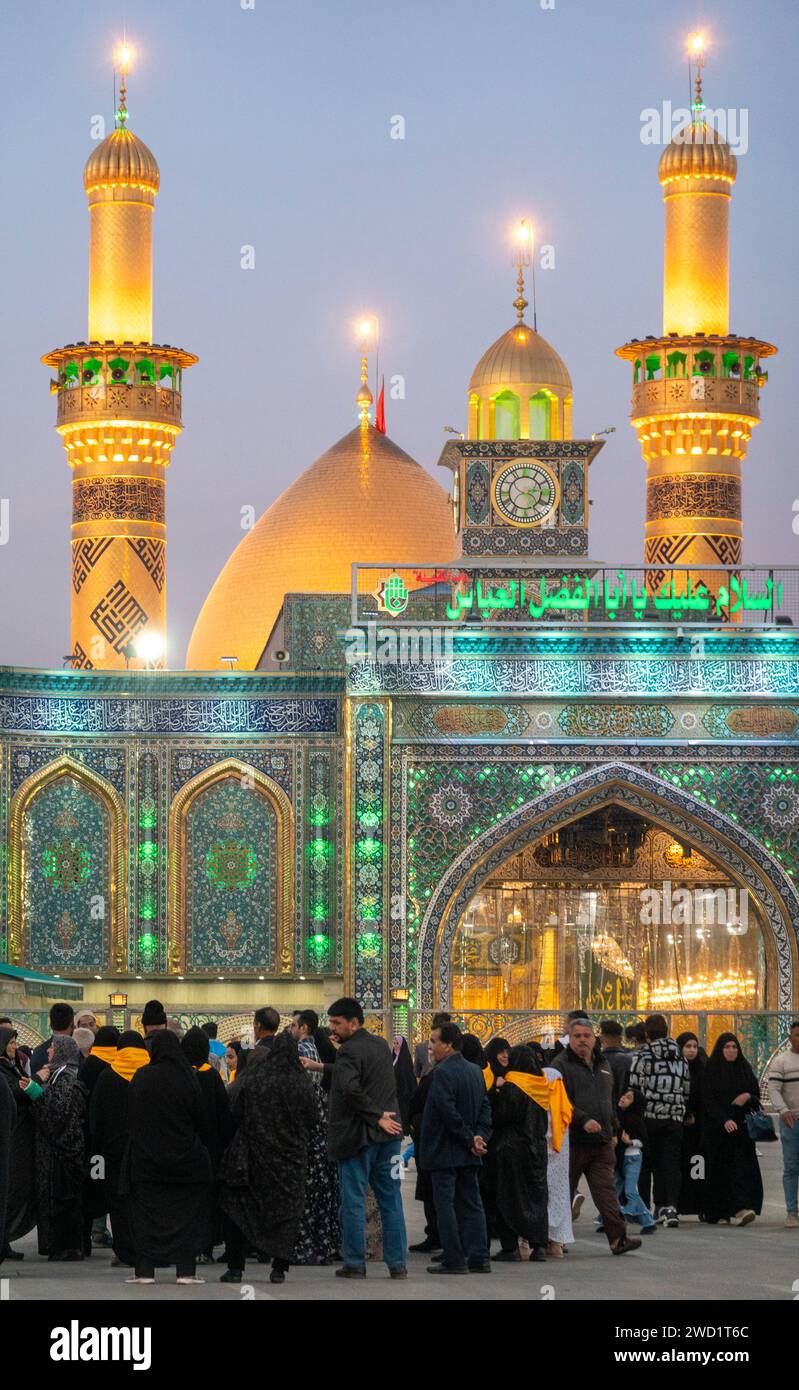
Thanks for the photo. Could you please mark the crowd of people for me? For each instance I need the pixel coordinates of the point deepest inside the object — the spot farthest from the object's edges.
(289, 1150)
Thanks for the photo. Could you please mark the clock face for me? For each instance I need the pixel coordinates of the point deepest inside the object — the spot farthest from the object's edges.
(525, 493)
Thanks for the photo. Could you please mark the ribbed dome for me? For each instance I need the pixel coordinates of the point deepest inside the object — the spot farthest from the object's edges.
(520, 357)
(364, 500)
(697, 151)
(121, 160)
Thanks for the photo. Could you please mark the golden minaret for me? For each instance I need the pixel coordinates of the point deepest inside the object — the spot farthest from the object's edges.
(119, 414)
(696, 388)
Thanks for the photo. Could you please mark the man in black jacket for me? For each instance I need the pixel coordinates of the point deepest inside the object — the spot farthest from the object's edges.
(364, 1135)
(589, 1084)
(660, 1072)
(456, 1127)
(610, 1036)
(62, 1022)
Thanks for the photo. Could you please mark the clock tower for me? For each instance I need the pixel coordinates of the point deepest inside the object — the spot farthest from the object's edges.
(519, 480)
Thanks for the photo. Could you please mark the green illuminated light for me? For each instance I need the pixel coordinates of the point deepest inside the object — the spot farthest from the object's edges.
(147, 907)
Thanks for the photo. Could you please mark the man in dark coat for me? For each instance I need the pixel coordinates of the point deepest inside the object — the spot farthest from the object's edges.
(62, 1023)
(456, 1127)
(364, 1135)
(619, 1058)
(589, 1085)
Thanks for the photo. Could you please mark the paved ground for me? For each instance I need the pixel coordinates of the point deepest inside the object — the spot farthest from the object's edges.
(696, 1262)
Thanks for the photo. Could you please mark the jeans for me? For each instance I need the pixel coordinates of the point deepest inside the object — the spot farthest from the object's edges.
(626, 1180)
(789, 1135)
(461, 1219)
(378, 1166)
(663, 1165)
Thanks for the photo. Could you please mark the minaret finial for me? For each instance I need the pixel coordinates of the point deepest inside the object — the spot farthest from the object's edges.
(697, 50)
(123, 57)
(522, 257)
(364, 398)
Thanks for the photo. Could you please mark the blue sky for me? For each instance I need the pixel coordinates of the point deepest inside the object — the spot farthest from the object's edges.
(271, 126)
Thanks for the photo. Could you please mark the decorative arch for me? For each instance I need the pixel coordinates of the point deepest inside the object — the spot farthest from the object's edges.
(709, 830)
(180, 860)
(115, 954)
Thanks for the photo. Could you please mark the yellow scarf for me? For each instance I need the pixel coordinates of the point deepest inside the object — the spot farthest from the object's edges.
(106, 1054)
(550, 1095)
(231, 1077)
(128, 1060)
(205, 1066)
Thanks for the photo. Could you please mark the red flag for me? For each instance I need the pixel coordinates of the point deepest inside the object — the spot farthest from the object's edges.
(380, 413)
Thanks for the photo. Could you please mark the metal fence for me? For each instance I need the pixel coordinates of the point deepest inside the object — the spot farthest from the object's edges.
(761, 1035)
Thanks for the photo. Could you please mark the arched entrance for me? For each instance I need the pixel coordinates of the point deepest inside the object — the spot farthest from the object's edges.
(613, 915)
(735, 855)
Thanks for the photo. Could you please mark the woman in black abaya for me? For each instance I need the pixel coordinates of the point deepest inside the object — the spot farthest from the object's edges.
(59, 1112)
(733, 1185)
(20, 1207)
(405, 1080)
(265, 1169)
(515, 1176)
(108, 1131)
(217, 1129)
(167, 1168)
(692, 1187)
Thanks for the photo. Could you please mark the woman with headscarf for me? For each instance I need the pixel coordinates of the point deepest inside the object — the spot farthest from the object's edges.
(515, 1170)
(733, 1185)
(167, 1168)
(497, 1056)
(404, 1078)
(217, 1130)
(559, 1202)
(692, 1186)
(108, 1133)
(102, 1048)
(20, 1204)
(59, 1112)
(319, 1239)
(233, 1053)
(471, 1051)
(264, 1170)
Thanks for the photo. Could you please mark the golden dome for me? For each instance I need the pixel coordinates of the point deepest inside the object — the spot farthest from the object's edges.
(121, 160)
(364, 500)
(520, 357)
(697, 152)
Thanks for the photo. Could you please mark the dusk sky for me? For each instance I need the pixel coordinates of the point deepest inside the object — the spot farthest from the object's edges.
(272, 128)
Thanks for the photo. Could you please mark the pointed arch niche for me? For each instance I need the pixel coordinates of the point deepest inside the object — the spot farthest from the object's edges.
(67, 872)
(231, 871)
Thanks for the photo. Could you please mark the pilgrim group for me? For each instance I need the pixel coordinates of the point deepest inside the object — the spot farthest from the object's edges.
(178, 1151)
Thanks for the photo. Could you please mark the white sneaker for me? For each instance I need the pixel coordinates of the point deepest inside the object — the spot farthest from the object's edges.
(743, 1218)
(577, 1205)
(188, 1279)
(792, 1221)
(138, 1279)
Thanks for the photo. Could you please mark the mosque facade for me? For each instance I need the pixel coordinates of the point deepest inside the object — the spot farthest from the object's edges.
(424, 750)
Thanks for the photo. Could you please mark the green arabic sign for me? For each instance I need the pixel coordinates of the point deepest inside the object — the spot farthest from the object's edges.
(606, 600)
